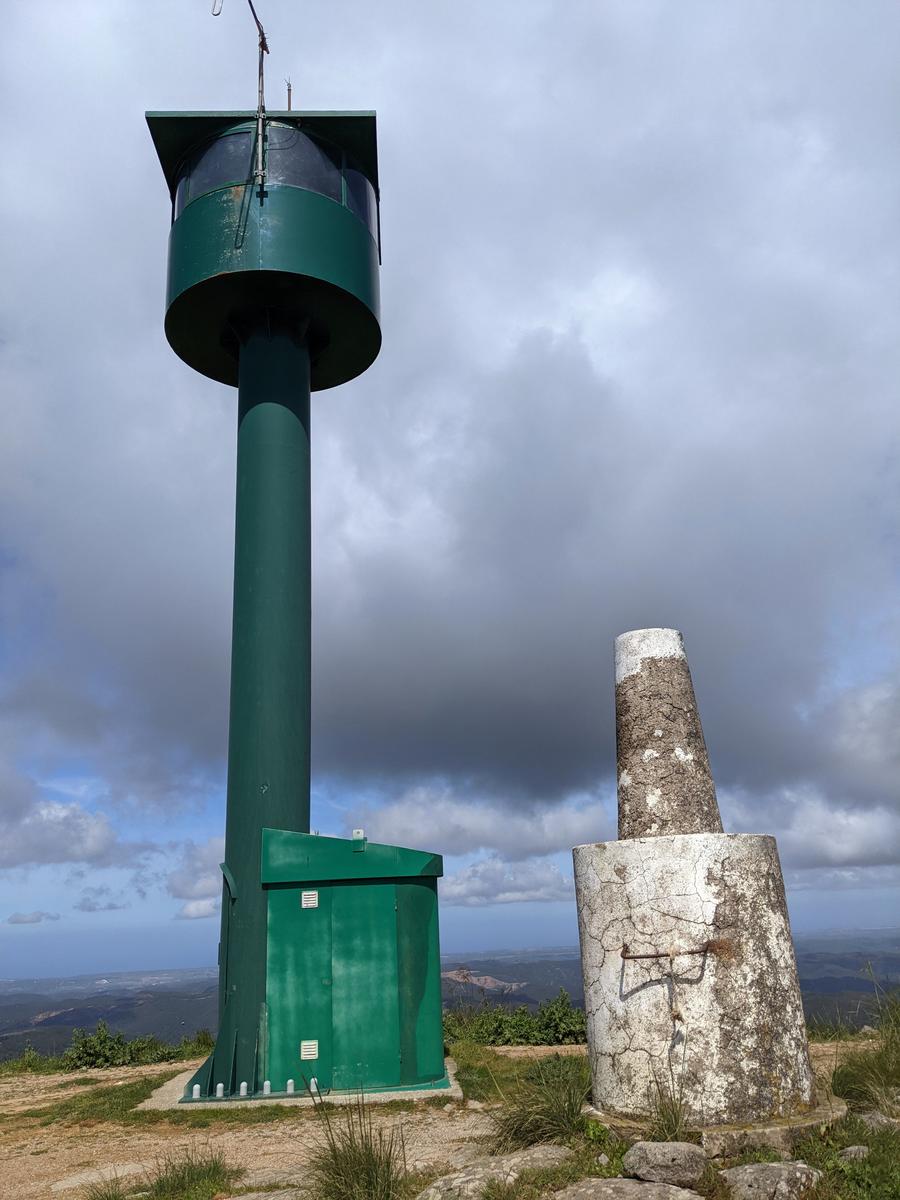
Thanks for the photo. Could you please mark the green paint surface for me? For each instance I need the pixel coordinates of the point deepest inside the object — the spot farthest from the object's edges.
(360, 975)
(297, 857)
(268, 743)
(366, 1002)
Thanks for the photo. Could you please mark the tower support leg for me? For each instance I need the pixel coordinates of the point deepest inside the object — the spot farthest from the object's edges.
(269, 728)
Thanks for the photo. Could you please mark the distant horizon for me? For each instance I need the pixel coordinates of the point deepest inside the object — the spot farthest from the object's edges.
(569, 950)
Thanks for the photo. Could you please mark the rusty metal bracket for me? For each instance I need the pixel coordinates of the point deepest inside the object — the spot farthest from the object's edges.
(704, 949)
(720, 947)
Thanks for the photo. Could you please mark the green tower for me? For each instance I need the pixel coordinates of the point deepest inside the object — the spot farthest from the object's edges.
(329, 969)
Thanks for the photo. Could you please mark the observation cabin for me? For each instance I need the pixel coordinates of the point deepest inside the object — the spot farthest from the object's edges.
(301, 243)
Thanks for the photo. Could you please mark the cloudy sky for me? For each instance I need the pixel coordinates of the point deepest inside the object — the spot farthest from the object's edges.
(640, 367)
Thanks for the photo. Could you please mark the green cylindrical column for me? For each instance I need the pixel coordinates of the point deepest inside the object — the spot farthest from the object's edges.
(268, 741)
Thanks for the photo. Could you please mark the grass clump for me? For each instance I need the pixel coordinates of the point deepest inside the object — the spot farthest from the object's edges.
(482, 1073)
(357, 1161)
(100, 1103)
(668, 1111)
(108, 1189)
(555, 1023)
(870, 1078)
(834, 1028)
(193, 1175)
(546, 1106)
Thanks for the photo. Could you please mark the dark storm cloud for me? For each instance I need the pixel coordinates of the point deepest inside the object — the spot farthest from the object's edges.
(639, 368)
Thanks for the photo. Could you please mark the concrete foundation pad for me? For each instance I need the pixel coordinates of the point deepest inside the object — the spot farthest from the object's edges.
(727, 1141)
(169, 1096)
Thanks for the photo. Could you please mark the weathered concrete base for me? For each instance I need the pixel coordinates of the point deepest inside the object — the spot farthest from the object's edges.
(727, 1141)
(711, 1014)
(171, 1094)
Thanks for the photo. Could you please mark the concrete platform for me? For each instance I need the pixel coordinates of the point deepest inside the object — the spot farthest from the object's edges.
(727, 1141)
(169, 1095)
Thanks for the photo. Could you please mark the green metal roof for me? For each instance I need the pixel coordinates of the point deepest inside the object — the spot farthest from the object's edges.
(175, 134)
(289, 857)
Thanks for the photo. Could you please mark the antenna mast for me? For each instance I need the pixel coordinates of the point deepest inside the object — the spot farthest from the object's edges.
(260, 172)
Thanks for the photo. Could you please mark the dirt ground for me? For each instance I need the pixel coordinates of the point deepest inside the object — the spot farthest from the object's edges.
(57, 1161)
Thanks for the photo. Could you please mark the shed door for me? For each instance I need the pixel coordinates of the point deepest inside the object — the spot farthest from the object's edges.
(298, 986)
(365, 1003)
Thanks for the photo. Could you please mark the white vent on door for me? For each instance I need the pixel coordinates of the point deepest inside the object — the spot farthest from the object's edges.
(309, 1049)
(309, 899)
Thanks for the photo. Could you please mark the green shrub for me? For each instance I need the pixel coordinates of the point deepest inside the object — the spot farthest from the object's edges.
(103, 1048)
(555, 1023)
(546, 1106)
(356, 1161)
(31, 1062)
(559, 1024)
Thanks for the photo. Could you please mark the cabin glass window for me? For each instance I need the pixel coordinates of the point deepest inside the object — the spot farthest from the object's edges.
(361, 199)
(292, 157)
(225, 161)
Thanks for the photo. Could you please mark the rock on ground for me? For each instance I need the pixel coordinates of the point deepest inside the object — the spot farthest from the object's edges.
(290, 1194)
(678, 1163)
(623, 1189)
(468, 1183)
(878, 1120)
(850, 1152)
(771, 1181)
(271, 1177)
(100, 1175)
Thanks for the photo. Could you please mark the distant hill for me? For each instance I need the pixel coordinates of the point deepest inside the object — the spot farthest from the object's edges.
(839, 974)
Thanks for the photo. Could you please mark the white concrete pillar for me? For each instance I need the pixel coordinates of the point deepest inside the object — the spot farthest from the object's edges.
(664, 782)
(690, 979)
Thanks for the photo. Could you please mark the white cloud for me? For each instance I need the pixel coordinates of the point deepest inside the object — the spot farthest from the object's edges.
(493, 881)
(817, 832)
(194, 910)
(31, 918)
(198, 879)
(435, 817)
(840, 879)
(57, 833)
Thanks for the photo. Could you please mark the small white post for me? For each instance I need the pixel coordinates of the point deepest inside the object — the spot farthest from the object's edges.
(220, 1091)
(314, 1086)
(195, 1091)
(267, 1087)
(290, 1087)
(244, 1089)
